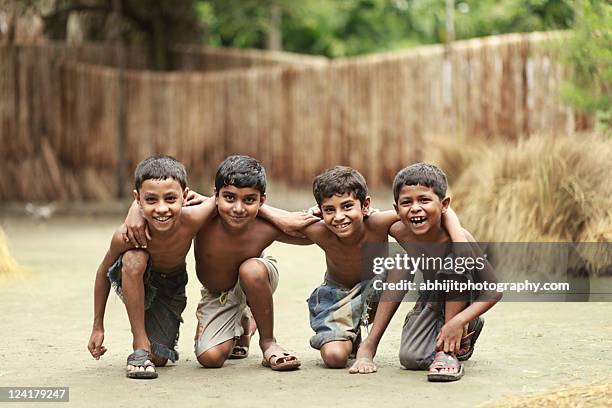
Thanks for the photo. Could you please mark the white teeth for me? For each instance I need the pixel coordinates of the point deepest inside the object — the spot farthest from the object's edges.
(342, 226)
(418, 220)
(162, 219)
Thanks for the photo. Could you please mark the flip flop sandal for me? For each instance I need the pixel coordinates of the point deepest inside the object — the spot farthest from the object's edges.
(279, 359)
(141, 358)
(444, 361)
(469, 340)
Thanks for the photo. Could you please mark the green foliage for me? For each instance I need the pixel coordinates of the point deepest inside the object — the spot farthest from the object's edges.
(477, 18)
(589, 54)
(349, 27)
(236, 23)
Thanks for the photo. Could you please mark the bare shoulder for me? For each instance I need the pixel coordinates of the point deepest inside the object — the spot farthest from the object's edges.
(265, 227)
(399, 231)
(317, 231)
(117, 244)
(395, 229)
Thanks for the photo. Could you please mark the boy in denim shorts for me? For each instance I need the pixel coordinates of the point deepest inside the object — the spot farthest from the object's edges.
(151, 283)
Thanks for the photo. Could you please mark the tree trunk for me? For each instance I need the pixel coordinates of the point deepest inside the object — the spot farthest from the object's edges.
(274, 39)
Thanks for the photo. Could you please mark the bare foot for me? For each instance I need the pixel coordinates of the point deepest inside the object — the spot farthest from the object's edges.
(364, 363)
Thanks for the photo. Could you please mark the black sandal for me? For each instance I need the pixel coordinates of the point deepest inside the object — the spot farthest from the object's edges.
(141, 358)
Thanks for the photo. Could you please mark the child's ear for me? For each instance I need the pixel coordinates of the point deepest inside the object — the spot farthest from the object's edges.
(185, 192)
(396, 208)
(445, 203)
(136, 196)
(365, 207)
(262, 199)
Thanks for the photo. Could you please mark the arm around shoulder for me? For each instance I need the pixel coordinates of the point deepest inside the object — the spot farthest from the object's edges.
(383, 219)
(291, 223)
(199, 214)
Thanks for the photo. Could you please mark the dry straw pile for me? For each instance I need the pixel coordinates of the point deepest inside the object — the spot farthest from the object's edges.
(539, 189)
(8, 266)
(592, 396)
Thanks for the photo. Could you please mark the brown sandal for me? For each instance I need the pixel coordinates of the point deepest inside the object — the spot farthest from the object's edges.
(279, 359)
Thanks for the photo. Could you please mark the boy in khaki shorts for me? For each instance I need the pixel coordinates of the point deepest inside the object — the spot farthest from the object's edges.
(225, 315)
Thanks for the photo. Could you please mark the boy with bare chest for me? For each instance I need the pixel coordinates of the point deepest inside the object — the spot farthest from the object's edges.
(152, 283)
(234, 271)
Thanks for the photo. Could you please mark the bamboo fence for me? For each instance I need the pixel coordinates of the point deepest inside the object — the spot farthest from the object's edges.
(297, 114)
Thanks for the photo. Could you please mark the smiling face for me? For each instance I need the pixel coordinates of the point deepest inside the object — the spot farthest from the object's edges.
(161, 202)
(343, 214)
(420, 209)
(237, 206)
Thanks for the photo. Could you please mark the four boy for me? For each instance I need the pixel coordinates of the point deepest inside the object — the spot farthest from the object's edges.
(238, 280)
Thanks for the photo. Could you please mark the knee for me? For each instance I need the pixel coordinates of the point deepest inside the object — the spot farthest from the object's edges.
(412, 360)
(212, 359)
(134, 263)
(252, 271)
(158, 361)
(334, 357)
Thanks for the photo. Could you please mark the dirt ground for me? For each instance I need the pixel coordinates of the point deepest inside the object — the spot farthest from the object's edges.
(46, 320)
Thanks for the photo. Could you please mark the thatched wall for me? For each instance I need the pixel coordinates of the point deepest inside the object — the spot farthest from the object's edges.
(297, 114)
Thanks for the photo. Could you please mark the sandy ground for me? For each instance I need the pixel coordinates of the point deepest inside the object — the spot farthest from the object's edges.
(46, 320)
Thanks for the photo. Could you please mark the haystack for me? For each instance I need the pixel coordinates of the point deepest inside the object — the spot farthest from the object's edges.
(8, 266)
(592, 396)
(539, 189)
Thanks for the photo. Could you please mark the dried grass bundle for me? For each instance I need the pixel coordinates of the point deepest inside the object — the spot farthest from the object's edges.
(540, 189)
(592, 396)
(8, 266)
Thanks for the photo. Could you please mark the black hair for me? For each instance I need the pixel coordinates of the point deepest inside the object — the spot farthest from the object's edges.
(424, 174)
(339, 180)
(241, 171)
(160, 168)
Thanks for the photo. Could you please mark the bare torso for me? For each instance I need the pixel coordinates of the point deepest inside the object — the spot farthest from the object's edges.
(219, 251)
(168, 251)
(345, 259)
